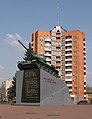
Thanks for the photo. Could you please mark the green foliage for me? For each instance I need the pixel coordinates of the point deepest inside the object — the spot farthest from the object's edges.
(28, 55)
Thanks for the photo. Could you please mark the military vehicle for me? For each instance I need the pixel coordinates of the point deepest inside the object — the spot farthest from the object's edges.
(36, 61)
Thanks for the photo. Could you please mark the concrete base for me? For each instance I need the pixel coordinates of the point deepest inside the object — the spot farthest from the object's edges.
(38, 87)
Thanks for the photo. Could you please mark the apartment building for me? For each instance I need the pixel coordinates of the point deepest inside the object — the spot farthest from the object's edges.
(65, 50)
(4, 89)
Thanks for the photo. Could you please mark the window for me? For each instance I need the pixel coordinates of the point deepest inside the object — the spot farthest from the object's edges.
(75, 52)
(75, 62)
(68, 47)
(62, 52)
(63, 63)
(68, 72)
(75, 37)
(58, 52)
(53, 58)
(75, 88)
(68, 62)
(53, 63)
(62, 58)
(58, 30)
(53, 33)
(75, 82)
(75, 47)
(41, 42)
(62, 78)
(53, 52)
(68, 57)
(41, 47)
(75, 77)
(62, 73)
(84, 39)
(84, 73)
(68, 67)
(75, 72)
(62, 68)
(75, 93)
(75, 67)
(57, 67)
(75, 57)
(68, 52)
(68, 42)
(74, 42)
(57, 37)
(68, 77)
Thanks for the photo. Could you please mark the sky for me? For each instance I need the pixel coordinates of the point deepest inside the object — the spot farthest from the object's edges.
(20, 18)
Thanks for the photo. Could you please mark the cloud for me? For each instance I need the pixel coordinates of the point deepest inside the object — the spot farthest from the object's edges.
(1, 67)
(12, 39)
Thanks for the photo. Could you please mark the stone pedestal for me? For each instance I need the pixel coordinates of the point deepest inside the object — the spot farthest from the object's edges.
(39, 87)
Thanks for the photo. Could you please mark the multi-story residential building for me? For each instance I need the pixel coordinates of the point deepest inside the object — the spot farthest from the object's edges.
(67, 52)
(4, 89)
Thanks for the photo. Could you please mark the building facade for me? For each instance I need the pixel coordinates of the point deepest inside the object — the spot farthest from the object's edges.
(65, 50)
(4, 89)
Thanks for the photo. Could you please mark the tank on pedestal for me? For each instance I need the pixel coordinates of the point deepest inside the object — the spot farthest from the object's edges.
(37, 83)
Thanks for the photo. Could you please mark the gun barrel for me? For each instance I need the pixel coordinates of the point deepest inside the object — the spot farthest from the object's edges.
(24, 46)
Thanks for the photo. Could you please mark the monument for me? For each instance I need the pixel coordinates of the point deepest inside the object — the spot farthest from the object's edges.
(37, 83)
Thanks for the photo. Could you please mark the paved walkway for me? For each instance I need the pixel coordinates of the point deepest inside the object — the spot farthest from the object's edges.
(45, 112)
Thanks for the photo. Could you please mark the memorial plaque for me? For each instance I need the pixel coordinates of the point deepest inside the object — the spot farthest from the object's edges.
(31, 86)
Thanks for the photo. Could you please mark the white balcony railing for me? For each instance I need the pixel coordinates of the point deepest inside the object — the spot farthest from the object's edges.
(68, 64)
(69, 49)
(68, 44)
(68, 79)
(68, 39)
(69, 85)
(68, 54)
(68, 69)
(68, 59)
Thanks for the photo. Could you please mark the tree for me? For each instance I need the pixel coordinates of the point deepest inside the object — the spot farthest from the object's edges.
(12, 90)
(28, 55)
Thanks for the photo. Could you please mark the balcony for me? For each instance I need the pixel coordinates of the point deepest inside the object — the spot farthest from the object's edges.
(84, 46)
(84, 70)
(69, 49)
(68, 80)
(84, 80)
(68, 39)
(84, 65)
(47, 54)
(68, 69)
(84, 41)
(85, 91)
(68, 74)
(69, 85)
(84, 51)
(85, 86)
(48, 59)
(68, 54)
(47, 49)
(68, 64)
(68, 59)
(47, 44)
(70, 90)
(68, 44)
(47, 39)
(72, 96)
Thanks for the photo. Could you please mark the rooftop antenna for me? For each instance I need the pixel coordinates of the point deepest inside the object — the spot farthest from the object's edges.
(58, 17)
